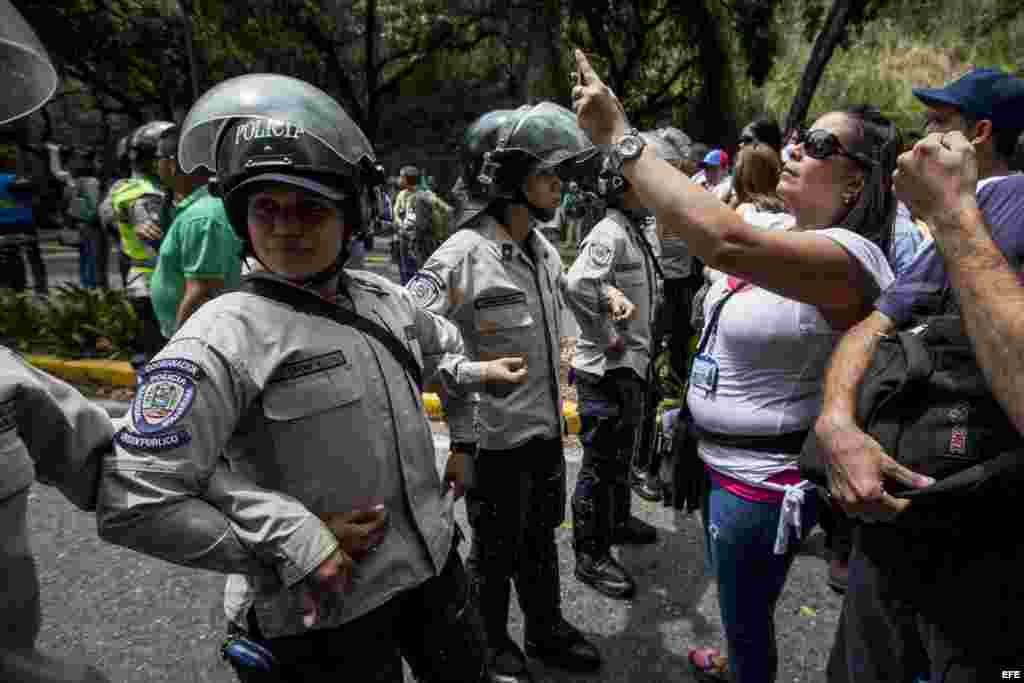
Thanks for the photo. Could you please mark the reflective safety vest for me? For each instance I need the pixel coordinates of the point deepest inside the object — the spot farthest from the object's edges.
(142, 256)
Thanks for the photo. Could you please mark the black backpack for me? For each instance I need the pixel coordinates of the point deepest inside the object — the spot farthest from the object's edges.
(926, 401)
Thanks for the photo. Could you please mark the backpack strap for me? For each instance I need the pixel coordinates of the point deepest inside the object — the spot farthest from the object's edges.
(305, 301)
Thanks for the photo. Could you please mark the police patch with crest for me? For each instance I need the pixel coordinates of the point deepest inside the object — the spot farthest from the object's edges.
(600, 254)
(163, 398)
(425, 288)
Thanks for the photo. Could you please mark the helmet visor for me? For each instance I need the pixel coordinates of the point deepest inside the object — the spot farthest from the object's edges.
(27, 75)
(277, 107)
(550, 133)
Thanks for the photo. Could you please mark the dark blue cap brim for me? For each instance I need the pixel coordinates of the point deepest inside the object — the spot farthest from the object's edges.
(937, 96)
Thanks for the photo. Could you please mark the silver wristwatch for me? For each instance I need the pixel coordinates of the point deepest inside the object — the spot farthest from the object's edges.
(627, 148)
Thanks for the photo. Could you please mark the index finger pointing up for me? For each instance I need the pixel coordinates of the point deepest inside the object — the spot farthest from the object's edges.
(586, 71)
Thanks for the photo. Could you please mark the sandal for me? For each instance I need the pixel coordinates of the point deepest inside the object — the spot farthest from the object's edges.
(709, 665)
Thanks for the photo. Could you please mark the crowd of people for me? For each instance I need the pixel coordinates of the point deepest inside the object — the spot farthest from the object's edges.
(278, 434)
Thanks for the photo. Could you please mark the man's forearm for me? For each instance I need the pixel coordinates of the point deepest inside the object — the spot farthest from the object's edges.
(194, 297)
(849, 362)
(991, 304)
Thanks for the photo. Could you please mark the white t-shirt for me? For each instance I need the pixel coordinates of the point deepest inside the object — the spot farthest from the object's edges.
(771, 354)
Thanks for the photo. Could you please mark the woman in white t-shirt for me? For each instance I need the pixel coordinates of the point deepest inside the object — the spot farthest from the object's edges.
(757, 383)
(756, 386)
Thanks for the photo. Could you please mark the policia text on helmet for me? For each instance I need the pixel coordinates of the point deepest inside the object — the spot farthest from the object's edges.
(293, 169)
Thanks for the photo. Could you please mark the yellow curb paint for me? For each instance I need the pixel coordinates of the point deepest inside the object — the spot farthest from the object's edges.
(118, 373)
(432, 404)
(572, 417)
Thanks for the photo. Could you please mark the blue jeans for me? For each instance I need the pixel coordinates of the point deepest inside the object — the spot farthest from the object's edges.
(739, 536)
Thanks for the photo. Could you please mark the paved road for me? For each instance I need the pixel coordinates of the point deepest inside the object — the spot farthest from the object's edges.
(142, 620)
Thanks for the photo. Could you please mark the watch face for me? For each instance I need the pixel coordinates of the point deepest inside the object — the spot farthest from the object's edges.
(630, 146)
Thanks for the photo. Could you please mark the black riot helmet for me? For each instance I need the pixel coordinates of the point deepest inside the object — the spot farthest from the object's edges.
(142, 144)
(502, 147)
(267, 128)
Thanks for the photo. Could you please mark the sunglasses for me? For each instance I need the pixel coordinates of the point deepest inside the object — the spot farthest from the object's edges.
(821, 144)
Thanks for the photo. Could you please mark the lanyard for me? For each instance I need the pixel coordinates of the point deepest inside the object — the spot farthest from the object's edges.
(735, 286)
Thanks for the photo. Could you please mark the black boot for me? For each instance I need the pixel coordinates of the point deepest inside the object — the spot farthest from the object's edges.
(605, 575)
(646, 486)
(634, 532)
(561, 645)
(626, 529)
(506, 663)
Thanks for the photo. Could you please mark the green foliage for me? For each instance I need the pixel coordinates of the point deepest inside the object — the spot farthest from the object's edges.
(892, 50)
(73, 322)
(21, 319)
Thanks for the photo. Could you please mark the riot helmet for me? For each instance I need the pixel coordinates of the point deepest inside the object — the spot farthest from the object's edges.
(142, 144)
(258, 129)
(670, 144)
(502, 147)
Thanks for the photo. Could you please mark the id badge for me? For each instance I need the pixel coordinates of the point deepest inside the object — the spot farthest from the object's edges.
(704, 374)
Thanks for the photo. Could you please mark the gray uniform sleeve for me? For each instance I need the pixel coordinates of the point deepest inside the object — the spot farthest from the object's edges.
(64, 434)
(586, 283)
(442, 287)
(167, 492)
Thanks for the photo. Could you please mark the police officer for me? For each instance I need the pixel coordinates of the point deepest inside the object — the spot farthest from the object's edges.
(677, 287)
(284, 442)
(138, 206)
(413, 224)
(497, 278)
(46, 428)
(612, 356)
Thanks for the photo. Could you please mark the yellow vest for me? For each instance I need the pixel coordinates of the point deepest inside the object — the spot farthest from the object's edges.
(143, 257)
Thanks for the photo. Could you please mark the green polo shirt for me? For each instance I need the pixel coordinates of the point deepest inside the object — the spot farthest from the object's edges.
(199, 245)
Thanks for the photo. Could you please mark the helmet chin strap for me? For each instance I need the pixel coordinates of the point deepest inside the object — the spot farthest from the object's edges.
(316, 280)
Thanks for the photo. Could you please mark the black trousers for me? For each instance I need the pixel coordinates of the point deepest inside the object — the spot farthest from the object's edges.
(434, 627)
(943, 604)
(515, 504)
(611, 408)
(150, 340)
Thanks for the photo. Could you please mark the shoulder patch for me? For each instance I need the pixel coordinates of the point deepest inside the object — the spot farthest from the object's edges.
(182, 365)
(426, 288)
(156, 442)
(600, 254)
(163, 398)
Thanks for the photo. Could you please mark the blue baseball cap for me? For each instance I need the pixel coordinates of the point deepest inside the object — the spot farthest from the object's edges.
(984, 93)
(716, 157)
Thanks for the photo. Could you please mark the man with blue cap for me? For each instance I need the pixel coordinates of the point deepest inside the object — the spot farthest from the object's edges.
(910, 589)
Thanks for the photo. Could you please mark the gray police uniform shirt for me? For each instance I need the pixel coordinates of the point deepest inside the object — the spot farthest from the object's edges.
(255, 419)
(505, 304)
(612, 254)
(50, 431)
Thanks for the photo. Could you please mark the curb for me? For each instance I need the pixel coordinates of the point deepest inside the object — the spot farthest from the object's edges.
(121, 373)
(117, 373)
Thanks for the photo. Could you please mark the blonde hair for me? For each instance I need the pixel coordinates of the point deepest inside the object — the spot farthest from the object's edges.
(757, 175)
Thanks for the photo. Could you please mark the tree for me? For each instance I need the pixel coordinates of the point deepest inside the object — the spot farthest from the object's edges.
(843, 16)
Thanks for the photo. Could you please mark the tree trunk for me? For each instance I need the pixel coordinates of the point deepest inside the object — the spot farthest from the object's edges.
(546, 74)
(716, 106)
(824, 45)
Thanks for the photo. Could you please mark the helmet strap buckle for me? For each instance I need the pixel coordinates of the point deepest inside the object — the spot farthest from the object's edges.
(488, 170)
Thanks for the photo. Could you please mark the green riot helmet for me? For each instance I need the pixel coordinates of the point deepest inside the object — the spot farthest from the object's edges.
(502, 147)
(261, 128)
(142, 144)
